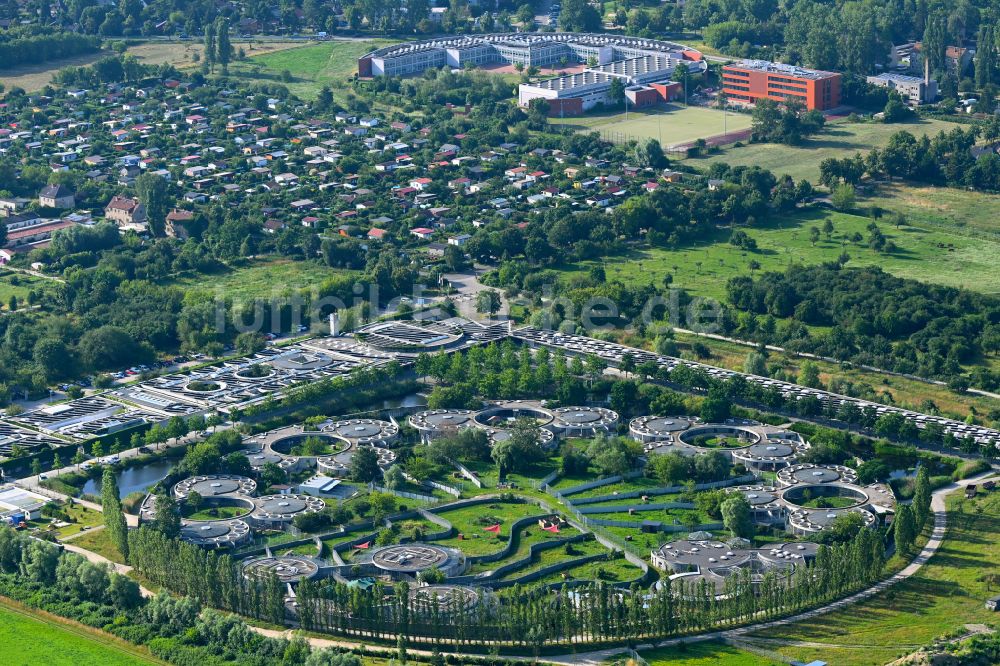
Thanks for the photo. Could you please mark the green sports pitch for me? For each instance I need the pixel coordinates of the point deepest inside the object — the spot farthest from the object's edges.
(671, 125)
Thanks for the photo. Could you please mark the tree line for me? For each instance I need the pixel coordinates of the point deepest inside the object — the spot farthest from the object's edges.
(30, 46)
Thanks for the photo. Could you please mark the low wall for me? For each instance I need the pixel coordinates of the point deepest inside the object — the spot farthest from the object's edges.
(663, 490)
(589, 511)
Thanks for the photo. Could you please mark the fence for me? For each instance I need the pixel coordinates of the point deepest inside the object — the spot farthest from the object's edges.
(663, 490)
(467, 473)
(430, 499)
(607, 481)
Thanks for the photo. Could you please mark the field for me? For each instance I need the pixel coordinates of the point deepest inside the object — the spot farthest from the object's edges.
(262, 279)
(19, 284)
(708, 653)
(672, 125)
(35, 77)
(179, 54)
(839, 139)
(964, 211)
(99, 541)
(182, 54)
(930, 254)
(945, 595)
(311, 67)
(29, 637)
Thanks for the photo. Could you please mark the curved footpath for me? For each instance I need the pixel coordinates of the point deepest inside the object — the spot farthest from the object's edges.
(599, 656)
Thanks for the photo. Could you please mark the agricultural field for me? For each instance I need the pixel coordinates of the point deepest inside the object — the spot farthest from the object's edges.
(671, 125)
(928, 254)
(30, 637)
(260, 279)
(839, 139)
(182, 55)
(311, 66)
(946, 594)
(33, 78)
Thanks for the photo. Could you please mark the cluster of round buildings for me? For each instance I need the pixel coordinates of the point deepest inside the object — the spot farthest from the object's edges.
(328, 448)
(228, 509)
(808, 498)
(715, 562)
(498, 420)
(756, 446)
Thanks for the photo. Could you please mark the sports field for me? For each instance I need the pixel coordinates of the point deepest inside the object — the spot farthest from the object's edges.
(311, 66)
(671, 125)
(929, 254)
(30, 638)
(839, 139)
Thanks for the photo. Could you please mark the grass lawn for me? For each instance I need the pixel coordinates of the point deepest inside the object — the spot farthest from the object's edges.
(947, 593)
(470, 522)
(839, 139)
(261, 279)
(613, 571)
(311, 66)
(215, 512)
(19, 285)
(928, 254)
(83, 517)
(31, 637)
(708, 653)
(670, 125)
(963, 211)
(99, 541)
(556, 555)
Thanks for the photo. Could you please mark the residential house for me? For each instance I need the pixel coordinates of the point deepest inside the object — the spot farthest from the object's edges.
(56, 196)
(126, 212)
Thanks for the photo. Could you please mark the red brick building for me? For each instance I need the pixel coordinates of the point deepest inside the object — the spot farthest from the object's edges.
(746, 82)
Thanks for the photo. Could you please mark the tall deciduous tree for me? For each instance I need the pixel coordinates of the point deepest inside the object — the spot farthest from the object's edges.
(114, 516)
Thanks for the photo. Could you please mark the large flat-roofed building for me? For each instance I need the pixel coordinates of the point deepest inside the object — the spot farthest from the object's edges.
(538, 50)
(751, 80)
(914, 89)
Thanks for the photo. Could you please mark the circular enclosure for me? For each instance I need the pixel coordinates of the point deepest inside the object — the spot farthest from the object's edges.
(272, 509)
(584, 420)
(723, 437)
(255, 371)
(809, 473)
(212, 485)
(824, 496)
(657, 428)
(441, 420)
(288, 568)
(443, 599)
(212, 509)
(505, 414)
(204, 386)
(306, 444)
(222, 534)
(374, 432)
(410, 558)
